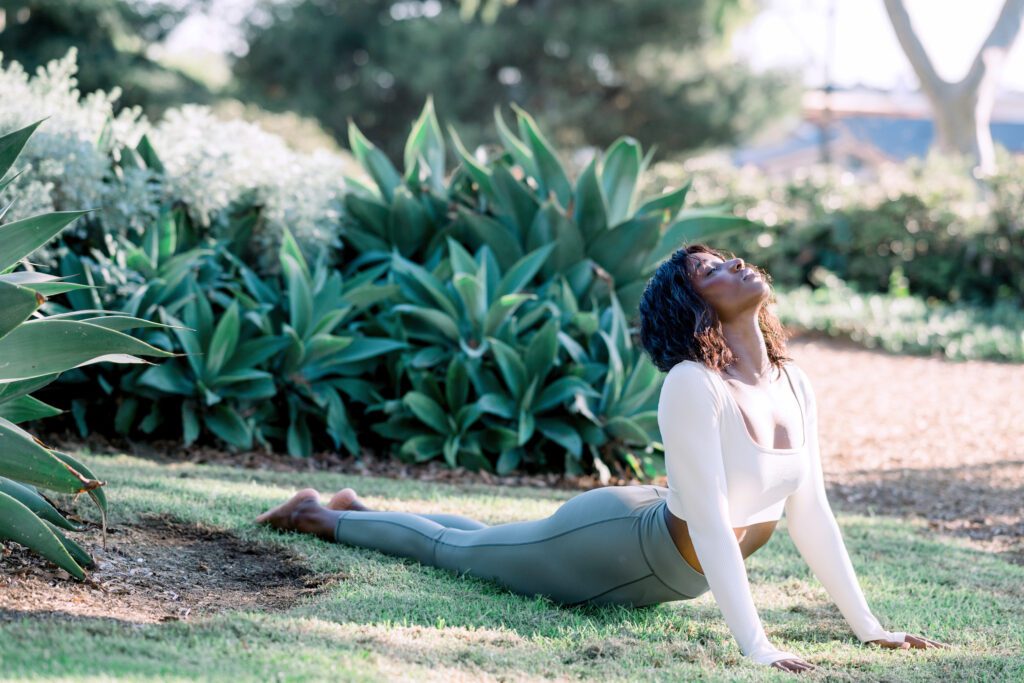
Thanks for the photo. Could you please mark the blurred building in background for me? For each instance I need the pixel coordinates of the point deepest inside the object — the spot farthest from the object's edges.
(857, 129)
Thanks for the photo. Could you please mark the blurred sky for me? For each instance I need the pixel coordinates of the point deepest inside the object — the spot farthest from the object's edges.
(787, 33)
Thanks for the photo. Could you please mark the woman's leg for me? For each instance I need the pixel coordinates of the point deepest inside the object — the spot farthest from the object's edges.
(589, 549)
(346, 499)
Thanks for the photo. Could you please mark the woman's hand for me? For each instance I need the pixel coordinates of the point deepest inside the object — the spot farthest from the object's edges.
(793, 665)
(911, 642)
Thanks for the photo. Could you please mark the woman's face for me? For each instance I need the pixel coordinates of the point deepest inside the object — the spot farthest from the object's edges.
(731, 287)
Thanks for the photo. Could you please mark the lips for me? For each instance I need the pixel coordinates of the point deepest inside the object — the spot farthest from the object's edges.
(749, 273)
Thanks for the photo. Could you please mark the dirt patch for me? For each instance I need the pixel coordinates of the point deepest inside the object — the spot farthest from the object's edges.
(156, 570)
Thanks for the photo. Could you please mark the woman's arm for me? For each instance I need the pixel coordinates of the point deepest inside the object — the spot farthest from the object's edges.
(689, 412)
(814, 531)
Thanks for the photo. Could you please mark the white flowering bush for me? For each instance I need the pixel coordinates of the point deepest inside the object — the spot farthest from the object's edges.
(210, 165)
(67, 163)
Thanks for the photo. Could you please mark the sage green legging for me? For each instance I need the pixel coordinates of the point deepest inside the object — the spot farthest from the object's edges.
(605, 546)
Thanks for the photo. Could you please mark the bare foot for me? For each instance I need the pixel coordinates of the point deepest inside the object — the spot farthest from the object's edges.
(288, 516)
(346, 499)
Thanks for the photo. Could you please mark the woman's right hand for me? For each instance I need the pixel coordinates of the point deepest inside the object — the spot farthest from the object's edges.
(796, 665)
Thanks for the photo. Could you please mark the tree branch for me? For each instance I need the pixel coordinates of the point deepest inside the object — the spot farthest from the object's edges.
(995, 48)
(931, 82)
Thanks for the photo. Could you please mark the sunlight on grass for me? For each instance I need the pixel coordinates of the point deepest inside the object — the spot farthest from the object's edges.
(392, 619)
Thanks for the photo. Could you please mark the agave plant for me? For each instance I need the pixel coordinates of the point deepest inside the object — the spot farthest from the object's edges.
(309, 310)
(620, 423)
(605, 237)
(464, 302)
(36, 350)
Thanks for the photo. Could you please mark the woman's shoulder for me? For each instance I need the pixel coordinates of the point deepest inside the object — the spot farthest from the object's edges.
(692, 379)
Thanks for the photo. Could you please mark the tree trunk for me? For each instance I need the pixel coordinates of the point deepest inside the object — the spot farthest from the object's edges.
(962, 111)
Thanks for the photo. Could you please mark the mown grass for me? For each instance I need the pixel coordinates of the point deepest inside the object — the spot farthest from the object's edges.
(396, 620)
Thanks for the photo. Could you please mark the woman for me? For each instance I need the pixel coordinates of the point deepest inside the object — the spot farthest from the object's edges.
(731, 411)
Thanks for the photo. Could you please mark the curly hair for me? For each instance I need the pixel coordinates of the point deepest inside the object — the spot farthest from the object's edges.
(677, 324)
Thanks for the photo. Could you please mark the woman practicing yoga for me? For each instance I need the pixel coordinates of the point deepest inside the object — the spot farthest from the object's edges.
(740, 428)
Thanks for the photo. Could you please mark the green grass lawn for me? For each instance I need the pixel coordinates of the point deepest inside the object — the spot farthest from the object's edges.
(396, 620)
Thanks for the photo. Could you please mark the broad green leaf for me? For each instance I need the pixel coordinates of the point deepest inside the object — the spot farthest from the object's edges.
(428, 283)
(497, 404)
(299, 441)
(427, 141)
(12, 143)
(149, 155)
(25, 408)
(628, 431)
(551, 226)
(668, 204)
(440, 322)
(422, 447)
(36, 503)
(542, 350)
(520, 152)
(562, 434)
(409, 224)
(451, 450)
(512, 369)
(562, 390)
(21, 238)
(16, 304)
(24, 460)
(507, 247)
(189, 423)
(550, 174)
(44, 347)
(521, 273)
(97, 494)
(229, 426)
(619, 176)
(516, 203)
(376, 163)
(428, 411)
(502, 309)
(19, 524)
(509, 460)
(169, 378)
(456, 385)
(480, 175)
(300, 296)
(589, 210)
(76, 551)
(362, 348)
(623, 250)
(225, 340)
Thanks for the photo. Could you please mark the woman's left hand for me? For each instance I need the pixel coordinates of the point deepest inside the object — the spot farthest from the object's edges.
(911, 642)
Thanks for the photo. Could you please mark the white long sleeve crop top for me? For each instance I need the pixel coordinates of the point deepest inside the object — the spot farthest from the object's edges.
(719, 478)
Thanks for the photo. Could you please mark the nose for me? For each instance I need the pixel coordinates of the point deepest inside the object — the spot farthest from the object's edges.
(737, 264)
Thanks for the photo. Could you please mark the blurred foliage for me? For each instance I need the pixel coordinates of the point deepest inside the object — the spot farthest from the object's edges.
(655, 69)
(925, 223)
(903, 323)
(111, 37)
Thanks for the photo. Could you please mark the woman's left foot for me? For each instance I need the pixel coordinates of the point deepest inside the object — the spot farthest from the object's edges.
(298, 513)
(346, 499)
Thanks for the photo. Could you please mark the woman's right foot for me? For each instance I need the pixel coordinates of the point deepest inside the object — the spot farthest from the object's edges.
(346, 499)
(303, 513)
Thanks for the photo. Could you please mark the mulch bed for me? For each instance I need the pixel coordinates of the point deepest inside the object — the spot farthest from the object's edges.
(156, 570)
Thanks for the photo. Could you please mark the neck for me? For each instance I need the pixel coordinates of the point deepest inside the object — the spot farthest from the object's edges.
(750, 353)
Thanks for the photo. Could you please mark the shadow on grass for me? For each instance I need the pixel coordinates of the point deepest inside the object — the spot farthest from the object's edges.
(984, 502)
